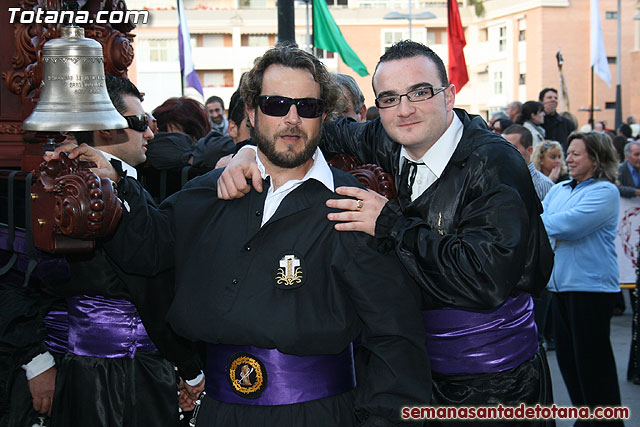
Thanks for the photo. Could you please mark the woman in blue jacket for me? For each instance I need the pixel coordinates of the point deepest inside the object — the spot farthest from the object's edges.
(581, 219)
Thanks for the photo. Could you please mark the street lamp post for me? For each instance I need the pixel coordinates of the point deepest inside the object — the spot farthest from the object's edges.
(410, 16)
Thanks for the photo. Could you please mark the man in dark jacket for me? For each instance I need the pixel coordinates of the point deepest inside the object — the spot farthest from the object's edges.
(467, 229)
(628, 173)
(115, 370)
(557, 128)
(276, 293)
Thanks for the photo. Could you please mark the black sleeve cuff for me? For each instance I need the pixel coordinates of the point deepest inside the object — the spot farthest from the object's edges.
(189, 370)
(388, 226)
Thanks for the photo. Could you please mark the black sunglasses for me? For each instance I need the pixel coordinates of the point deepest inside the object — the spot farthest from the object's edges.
(279, 106)
(138, 122)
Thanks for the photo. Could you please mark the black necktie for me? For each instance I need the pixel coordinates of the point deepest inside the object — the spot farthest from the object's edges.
(405, 185)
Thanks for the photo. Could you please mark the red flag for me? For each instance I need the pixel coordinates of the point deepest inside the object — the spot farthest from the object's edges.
(455, 39)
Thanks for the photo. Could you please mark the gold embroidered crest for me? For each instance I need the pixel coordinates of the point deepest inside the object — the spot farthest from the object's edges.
(290, 271)
(247, 375)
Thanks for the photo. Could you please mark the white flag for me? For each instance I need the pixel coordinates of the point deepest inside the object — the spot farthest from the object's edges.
(598, 56)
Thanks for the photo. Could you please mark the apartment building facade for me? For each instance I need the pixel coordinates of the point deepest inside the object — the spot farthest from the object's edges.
(510, 53)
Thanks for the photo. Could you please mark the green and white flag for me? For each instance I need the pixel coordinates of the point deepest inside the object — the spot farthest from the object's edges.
(327, 36)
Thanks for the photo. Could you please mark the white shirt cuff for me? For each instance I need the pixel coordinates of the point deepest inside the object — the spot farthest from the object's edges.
(38, 365)
(197, 380)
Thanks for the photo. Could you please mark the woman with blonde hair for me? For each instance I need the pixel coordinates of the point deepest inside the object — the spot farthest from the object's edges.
(548, 158)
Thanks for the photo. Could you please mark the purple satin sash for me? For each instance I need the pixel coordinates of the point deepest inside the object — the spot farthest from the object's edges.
(462, 342)
(289, 379)
(57, 324)
(105, 327)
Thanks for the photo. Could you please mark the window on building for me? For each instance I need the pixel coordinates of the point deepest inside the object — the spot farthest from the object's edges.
(216, 78)
(337, 2)
(158, 50)
(483, 35)
(323, 54)
(375, 3)
(612, 59)
(502, 39)
(213, 40)
(611, 15)
(497, 82)
(431, 38)
(252, 4)
(301, 40)
(435, 36)
(522, 29)
(610, 105)
(389, 37)
(522, 79)
(254, 40)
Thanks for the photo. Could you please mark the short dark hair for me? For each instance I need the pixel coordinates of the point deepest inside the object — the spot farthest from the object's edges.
(236, 108)
(526, 139)
(186, 112)
(117, 87)
(544, 91)
(290, 56)
(372, 113)
(625, 130)
(410, 49)
(504, 123)
(529, 108)
(619, 143)
(215, 99)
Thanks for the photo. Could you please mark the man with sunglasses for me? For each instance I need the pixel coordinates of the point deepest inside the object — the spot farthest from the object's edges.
(467, 228)
(274, 291)
(115, 370)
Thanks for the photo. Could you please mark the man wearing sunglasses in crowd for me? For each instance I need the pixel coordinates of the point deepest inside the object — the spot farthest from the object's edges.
(467, 228)
(276, 293)
(115, 370)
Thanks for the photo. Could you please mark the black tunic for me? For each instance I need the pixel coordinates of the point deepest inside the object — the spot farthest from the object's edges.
(137, 391)
(227, 292)
(473, 239)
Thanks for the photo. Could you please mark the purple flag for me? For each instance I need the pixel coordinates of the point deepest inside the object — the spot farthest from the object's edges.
(189, 75)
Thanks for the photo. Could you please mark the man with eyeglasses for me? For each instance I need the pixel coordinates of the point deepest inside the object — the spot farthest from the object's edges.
(115, 370)
(274, 291)
(467, 228)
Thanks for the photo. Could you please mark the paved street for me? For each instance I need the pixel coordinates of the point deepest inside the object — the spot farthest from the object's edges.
(621, 341)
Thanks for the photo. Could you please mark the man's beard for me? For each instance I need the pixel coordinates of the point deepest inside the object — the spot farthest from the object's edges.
(287, 159)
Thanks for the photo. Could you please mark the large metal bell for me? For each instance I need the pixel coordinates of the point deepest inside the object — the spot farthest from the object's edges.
(74, 96)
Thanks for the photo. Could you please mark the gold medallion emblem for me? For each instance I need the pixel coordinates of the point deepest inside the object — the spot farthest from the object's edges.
(289, 274)
(247, 375)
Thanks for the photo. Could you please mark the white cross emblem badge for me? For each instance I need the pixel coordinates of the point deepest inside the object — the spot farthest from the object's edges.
(289, 274)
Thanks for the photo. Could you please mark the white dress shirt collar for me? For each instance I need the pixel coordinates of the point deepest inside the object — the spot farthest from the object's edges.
(320, 171)
(130, 170)
(437, 157)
